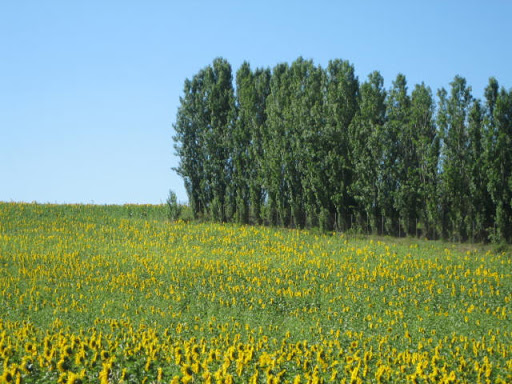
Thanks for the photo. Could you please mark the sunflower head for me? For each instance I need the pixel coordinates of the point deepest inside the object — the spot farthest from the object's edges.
(187, 370)
(63, 365)
(30, 348)
(7, 377)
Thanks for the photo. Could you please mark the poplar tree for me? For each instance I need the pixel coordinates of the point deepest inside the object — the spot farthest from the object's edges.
(191, 121)
(480, 205)
(277, 147)
(426, 142)
(489, 138)
(252, 89)
(500, 167)
(455, 193)
(303, 146)
(306, 126)
(342, 92)
(397, 179)
(365, 135)
(256, 150)
(219, 105)
(243, 166)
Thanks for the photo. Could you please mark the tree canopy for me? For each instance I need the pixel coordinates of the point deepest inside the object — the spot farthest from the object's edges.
(304, 146)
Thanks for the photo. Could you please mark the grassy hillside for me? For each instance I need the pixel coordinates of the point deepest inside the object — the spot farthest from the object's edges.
(119, 294)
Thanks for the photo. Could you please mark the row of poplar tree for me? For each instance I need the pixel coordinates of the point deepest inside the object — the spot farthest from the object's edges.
(306, 146)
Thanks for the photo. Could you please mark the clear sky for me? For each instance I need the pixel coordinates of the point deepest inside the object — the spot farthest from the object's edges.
(89, 89)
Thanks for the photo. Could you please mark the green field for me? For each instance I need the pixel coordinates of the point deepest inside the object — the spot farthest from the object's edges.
(118, 294)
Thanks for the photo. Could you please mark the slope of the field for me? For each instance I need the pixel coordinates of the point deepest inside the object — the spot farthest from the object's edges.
(118, 294)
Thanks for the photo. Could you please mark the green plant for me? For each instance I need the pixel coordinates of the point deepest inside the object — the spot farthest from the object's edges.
(174, 209)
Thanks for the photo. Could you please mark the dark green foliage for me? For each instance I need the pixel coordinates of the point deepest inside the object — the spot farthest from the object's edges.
(256, 149)
(189, 127)
(203, 133)
(241, 141)
(306, 146)
(398, 169)
(365, 137)
(423, 181)
(480, 206)
(500, 161)
(277, 148)
(306, 120)
(217, 137)
(342, 92)
(174, 208)
(455, 179)
(252, 89)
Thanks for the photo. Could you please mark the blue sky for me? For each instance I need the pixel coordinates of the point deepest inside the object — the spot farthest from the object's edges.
(89, 89)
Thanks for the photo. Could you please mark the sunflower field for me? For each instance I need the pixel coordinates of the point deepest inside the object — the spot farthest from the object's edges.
(117, 294)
